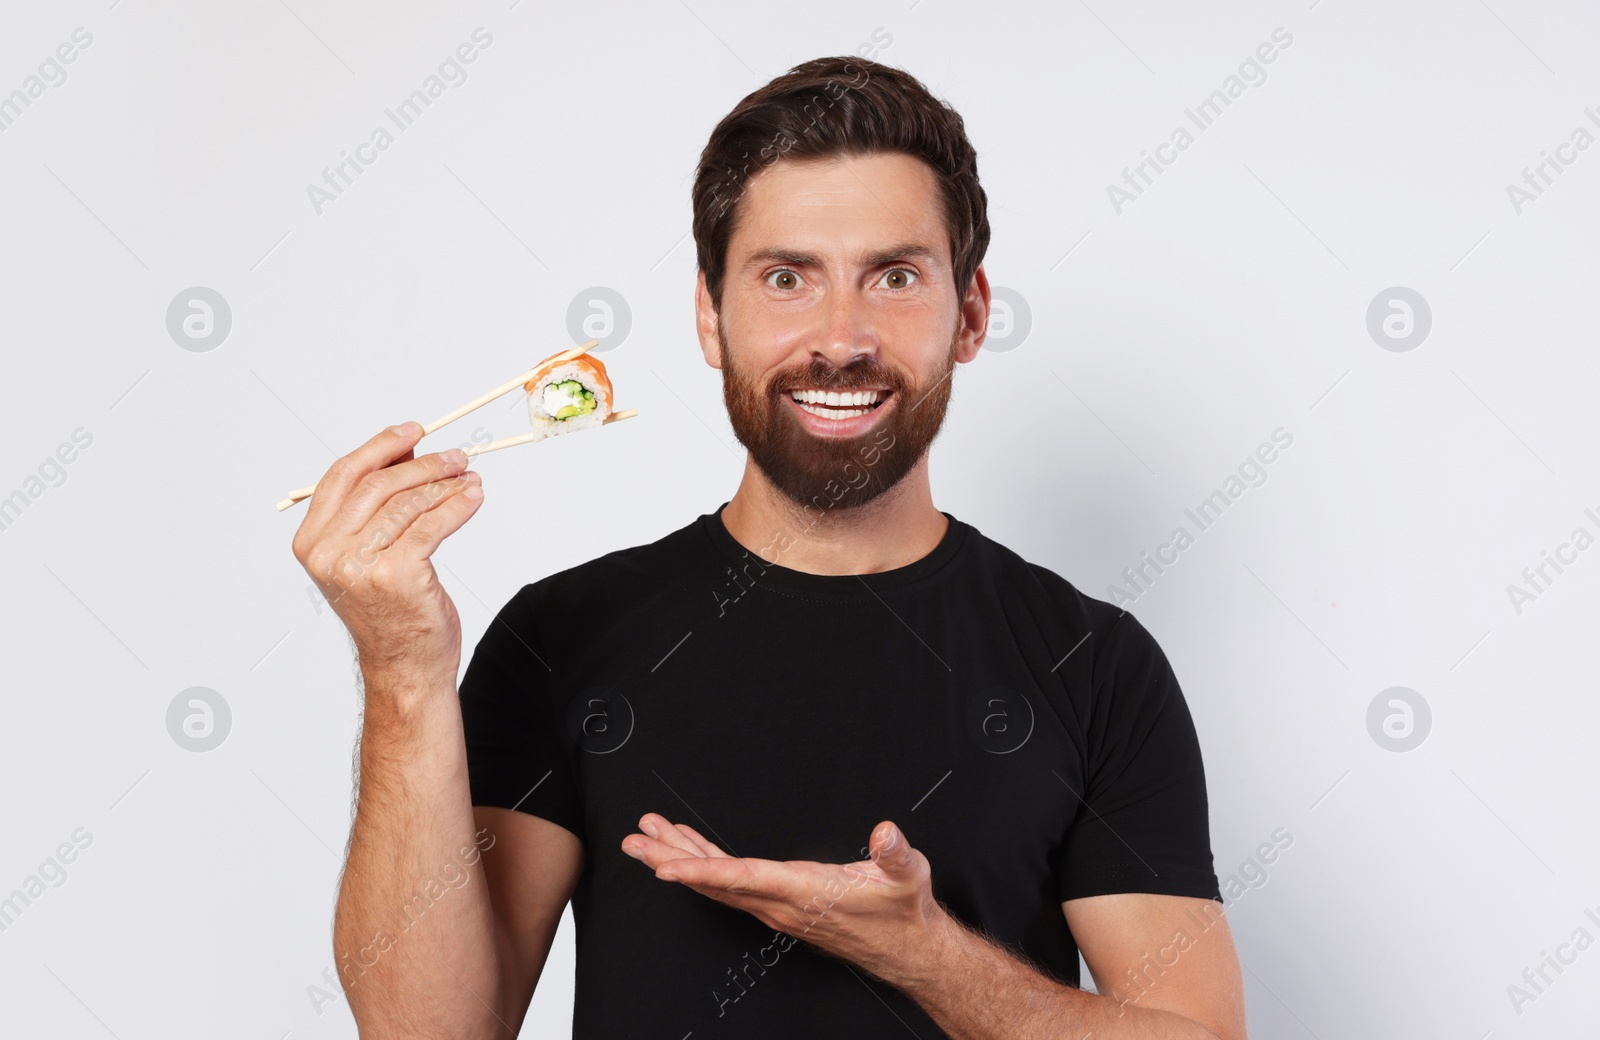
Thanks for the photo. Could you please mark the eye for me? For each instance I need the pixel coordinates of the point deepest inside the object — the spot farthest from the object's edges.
(899, 277)
(786, 279)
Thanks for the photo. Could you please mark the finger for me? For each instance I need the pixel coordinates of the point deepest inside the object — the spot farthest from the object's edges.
(707, 847)
(344, 566)
(372, 492)
(742, 877)
(667, 832)
(431, 528)
(384, 448)
(402, 508)
(652, 853)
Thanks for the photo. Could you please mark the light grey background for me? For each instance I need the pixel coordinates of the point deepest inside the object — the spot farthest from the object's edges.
(1166, 342)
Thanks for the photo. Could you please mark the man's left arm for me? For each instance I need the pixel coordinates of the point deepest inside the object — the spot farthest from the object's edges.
(1165, 964)
(1165, 967)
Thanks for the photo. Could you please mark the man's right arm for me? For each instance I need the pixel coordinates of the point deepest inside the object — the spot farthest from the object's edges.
(425, 942)
(467, 900)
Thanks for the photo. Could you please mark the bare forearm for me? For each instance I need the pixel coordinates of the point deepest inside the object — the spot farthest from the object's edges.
(414, 933)
(976, 990)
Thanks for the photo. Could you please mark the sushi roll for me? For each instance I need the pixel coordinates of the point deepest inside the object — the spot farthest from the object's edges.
(569, 395)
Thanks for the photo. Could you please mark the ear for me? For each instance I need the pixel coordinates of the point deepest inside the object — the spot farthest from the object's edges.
(705, 322)
(974, 317)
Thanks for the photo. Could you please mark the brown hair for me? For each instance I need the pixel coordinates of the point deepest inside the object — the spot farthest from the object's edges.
(837, 107)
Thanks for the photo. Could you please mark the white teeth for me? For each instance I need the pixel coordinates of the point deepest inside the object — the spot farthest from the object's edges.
(836, 399)
(835, 413)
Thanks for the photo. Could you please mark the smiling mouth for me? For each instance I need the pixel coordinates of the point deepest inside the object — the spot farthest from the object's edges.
(839, 404)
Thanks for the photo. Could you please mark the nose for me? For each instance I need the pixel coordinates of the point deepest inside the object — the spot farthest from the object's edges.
(849, 330)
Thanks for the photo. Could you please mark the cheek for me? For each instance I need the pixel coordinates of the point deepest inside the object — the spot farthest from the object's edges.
(929, 349)
(761, 350)
(926, 323)
(769, 335)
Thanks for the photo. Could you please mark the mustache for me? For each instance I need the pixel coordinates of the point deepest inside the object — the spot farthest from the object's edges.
(821, 375)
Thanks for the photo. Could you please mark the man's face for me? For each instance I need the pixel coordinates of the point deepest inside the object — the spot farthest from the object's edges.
(839, 282)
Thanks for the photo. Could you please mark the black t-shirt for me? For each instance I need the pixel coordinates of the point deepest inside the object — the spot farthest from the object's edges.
(1031, 741)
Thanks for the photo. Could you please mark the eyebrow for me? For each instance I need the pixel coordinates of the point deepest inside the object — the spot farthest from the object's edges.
(902, 251)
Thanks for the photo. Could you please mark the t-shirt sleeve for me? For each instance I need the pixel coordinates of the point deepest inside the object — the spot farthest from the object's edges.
(1143, 823)
(517, 754)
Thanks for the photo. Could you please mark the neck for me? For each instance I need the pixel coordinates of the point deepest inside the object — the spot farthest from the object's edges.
(897, 528)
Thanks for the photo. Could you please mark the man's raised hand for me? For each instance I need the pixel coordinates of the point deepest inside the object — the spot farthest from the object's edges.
(376, 518)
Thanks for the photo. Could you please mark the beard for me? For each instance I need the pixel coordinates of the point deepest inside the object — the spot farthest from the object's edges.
(835, 472)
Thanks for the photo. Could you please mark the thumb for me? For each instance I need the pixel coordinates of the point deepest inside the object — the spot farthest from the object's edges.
(893, 852)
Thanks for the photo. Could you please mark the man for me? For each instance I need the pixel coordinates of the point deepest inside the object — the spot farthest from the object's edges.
(824, 762)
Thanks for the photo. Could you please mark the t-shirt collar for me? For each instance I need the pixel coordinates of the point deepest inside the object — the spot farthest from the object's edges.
(751, 567)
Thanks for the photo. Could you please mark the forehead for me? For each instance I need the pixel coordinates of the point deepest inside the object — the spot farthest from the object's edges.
(841, 202)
